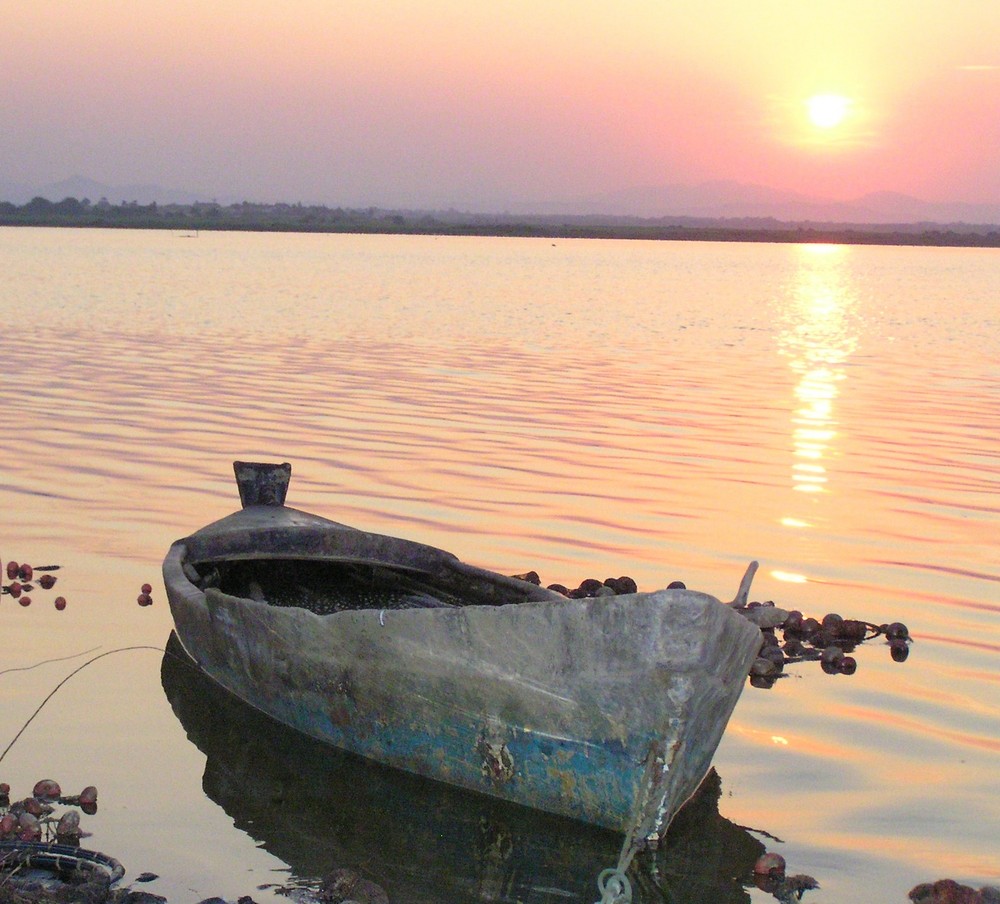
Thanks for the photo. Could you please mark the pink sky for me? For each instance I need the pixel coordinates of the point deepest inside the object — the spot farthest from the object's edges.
(453, 102)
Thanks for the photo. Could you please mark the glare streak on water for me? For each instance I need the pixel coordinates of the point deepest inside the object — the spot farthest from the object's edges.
(664, 410)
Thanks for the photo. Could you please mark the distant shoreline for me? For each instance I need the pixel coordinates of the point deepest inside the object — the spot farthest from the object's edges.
(246, 217)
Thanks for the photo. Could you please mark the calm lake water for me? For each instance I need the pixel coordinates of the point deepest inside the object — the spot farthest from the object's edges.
(581, 408)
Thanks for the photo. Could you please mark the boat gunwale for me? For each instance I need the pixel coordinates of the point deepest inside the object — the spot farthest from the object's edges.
(288, 534)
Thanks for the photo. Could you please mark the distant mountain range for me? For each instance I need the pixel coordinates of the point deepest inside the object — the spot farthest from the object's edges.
(726, 200)
(708, 202)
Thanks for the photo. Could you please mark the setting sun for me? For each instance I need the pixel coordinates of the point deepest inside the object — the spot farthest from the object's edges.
(827, 110)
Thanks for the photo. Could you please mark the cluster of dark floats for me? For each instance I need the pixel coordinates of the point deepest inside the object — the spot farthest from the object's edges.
(32, 818)
(189, 219)
(830, 641)
(25, 579)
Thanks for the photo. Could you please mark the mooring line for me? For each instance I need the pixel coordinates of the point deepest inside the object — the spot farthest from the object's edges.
(28, 668)
(80, 668)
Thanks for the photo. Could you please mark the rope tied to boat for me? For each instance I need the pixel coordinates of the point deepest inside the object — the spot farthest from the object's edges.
(614, 887)
(613, 883)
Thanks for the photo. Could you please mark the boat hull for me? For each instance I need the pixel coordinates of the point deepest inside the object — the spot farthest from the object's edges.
(606, 710)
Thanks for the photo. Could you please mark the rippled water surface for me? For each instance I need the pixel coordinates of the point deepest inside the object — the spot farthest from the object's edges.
(582, 408)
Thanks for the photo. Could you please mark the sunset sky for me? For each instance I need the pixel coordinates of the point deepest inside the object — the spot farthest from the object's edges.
(481, 104)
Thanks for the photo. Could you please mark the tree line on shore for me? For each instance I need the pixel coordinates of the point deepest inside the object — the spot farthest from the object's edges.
(282, 217)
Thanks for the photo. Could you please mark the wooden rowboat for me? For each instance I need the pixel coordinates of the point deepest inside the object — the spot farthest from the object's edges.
(607, 710)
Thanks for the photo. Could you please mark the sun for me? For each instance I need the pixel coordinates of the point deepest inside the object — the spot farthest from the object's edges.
(828, 110)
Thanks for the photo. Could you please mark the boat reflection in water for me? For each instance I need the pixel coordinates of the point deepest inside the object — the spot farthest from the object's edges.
(319, 809)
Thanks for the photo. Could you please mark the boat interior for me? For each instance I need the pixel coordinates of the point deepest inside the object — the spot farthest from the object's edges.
(325, 587)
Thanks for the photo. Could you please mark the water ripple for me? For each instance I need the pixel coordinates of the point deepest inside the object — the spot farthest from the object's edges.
(665, 410)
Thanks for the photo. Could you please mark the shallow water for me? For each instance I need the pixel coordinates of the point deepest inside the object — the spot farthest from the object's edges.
(582, 408)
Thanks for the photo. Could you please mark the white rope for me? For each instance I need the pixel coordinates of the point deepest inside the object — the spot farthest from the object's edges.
(614, 887)
(613, 883)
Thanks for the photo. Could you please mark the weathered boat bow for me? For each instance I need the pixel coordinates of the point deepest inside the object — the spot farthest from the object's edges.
(607, 710)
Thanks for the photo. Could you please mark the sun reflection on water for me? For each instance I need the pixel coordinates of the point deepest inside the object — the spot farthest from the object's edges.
(817, 338)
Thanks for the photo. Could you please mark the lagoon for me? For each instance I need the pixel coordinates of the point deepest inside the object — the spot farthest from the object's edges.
(583, 408)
